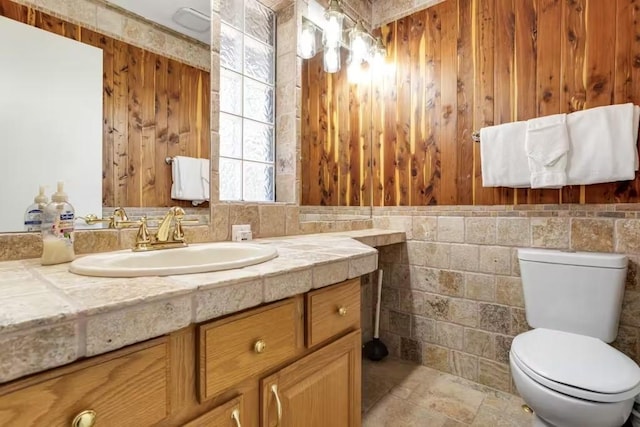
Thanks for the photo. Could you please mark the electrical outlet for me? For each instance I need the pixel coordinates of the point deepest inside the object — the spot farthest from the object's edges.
(240, 233)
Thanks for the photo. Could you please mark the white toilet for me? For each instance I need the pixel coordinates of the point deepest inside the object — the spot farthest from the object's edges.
(563, 369)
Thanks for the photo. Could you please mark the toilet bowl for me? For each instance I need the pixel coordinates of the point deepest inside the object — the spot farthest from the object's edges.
(571, 380)
(564, 369)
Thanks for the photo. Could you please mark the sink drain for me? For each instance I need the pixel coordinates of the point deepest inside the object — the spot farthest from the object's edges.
(527, 409)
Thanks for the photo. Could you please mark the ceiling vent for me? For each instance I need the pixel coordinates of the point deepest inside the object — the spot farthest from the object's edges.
(192, 19)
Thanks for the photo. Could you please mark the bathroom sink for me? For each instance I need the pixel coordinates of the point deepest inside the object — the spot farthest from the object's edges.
(197, 258)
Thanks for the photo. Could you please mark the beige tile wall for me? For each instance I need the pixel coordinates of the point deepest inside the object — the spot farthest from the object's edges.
(104, 18)
(453, 297)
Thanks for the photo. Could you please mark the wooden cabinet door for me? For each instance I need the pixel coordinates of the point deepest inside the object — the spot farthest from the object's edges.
(227, 415)
(320, 390)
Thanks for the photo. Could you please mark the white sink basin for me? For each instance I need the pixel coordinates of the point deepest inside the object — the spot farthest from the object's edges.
(199, 258)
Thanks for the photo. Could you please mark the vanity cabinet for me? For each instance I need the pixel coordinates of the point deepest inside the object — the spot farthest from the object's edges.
(319, 390)
(294, 362)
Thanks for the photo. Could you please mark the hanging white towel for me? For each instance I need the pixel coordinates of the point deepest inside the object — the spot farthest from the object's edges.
(503, 157)
(602, 142)
(205, 176)
(187, 180)
(547, 144)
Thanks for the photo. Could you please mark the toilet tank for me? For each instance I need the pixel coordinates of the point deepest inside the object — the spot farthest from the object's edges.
(579, 292)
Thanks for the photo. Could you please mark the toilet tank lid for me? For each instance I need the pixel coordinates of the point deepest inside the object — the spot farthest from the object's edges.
(587, 259)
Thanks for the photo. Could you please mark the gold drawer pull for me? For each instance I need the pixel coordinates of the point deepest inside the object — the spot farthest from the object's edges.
(260, 346)
(342, 311)
(274, 390)
(235, 416)
(84, 419)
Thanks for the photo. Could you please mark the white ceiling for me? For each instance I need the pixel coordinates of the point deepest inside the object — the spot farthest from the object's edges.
(161, 12)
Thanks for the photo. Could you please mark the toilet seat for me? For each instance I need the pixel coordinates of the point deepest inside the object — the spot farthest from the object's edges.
(576, 365)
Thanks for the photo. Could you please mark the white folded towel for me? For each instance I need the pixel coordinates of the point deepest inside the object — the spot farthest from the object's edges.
(503, 157)
(634, 128)
(602, 145)
(187, 179)
(546, 145)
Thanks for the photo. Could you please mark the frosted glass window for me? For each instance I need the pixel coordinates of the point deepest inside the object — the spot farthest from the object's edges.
(259, 21)
(258, 101)
(258, 182)
(258, 141)
(232, 12)
(258, 60)
(230, 136)
(230, 48)
(230, 176)
(247, 101)
(231, 92)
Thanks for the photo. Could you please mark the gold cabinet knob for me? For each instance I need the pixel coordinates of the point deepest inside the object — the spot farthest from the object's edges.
(84, 419)
(260, 346)
(342, 311)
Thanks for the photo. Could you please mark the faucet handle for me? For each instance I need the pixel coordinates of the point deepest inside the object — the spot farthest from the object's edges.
(178, 232)
(143, 239)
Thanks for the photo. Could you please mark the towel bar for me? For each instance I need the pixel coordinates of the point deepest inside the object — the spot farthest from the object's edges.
(168, 160)
(475, 136)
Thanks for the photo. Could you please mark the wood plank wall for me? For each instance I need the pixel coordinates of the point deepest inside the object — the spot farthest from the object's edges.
(153, 107)
(465, 64)
(336, 130)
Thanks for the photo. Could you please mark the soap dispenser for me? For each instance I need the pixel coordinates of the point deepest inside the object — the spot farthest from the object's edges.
(57, 229)
(33, 214)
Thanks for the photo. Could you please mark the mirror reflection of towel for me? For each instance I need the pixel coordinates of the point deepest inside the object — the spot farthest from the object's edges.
(190, 178)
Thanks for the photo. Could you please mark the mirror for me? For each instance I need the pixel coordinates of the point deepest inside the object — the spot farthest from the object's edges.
(90, 108)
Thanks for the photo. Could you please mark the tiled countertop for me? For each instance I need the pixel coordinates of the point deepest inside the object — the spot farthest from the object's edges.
(50, 317)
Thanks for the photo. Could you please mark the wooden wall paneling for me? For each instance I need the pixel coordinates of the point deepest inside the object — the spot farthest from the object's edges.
(341, 143)
(599, 76)
(417, 127)
(483, 50)
(174, 71)
(305, 134)
(161, 102)
(365, 141)
(548, 72)
(354, 144)
(317, 129)
(148, 160)
(390, 122)
(16, 12)
(465, 85)
(525, 70)
(432, 108)
(135, 78)
(449, 103)
(378, 130)
(627, 74)
(504, 84)
(332, 197)
(573, 93)
(203, 113)
(120, 123)
(403, 147)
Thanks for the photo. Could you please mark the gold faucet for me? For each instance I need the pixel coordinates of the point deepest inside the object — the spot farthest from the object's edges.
(164, 238)
(119, 219)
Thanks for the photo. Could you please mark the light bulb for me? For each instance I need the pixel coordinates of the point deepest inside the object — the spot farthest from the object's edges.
(359, 43)
(331, 59)
(307, 46)
(333, 30)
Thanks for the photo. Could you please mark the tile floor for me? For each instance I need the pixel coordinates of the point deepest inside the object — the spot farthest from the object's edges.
(402, 394)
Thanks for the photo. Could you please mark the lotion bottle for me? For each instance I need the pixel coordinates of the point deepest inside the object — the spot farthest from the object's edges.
(57, 229)
(33, 214)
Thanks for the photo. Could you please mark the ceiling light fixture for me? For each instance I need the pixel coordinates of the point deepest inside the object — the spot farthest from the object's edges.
(192, 19)
(361, 44)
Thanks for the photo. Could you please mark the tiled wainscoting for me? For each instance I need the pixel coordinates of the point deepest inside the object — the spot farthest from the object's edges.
(452, 295)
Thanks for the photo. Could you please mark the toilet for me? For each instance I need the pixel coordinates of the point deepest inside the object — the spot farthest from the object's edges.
(564, 369)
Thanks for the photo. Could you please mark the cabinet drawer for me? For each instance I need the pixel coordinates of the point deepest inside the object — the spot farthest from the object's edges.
(332, 310)
(129, 390)
(237, 348)
(227, 415)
